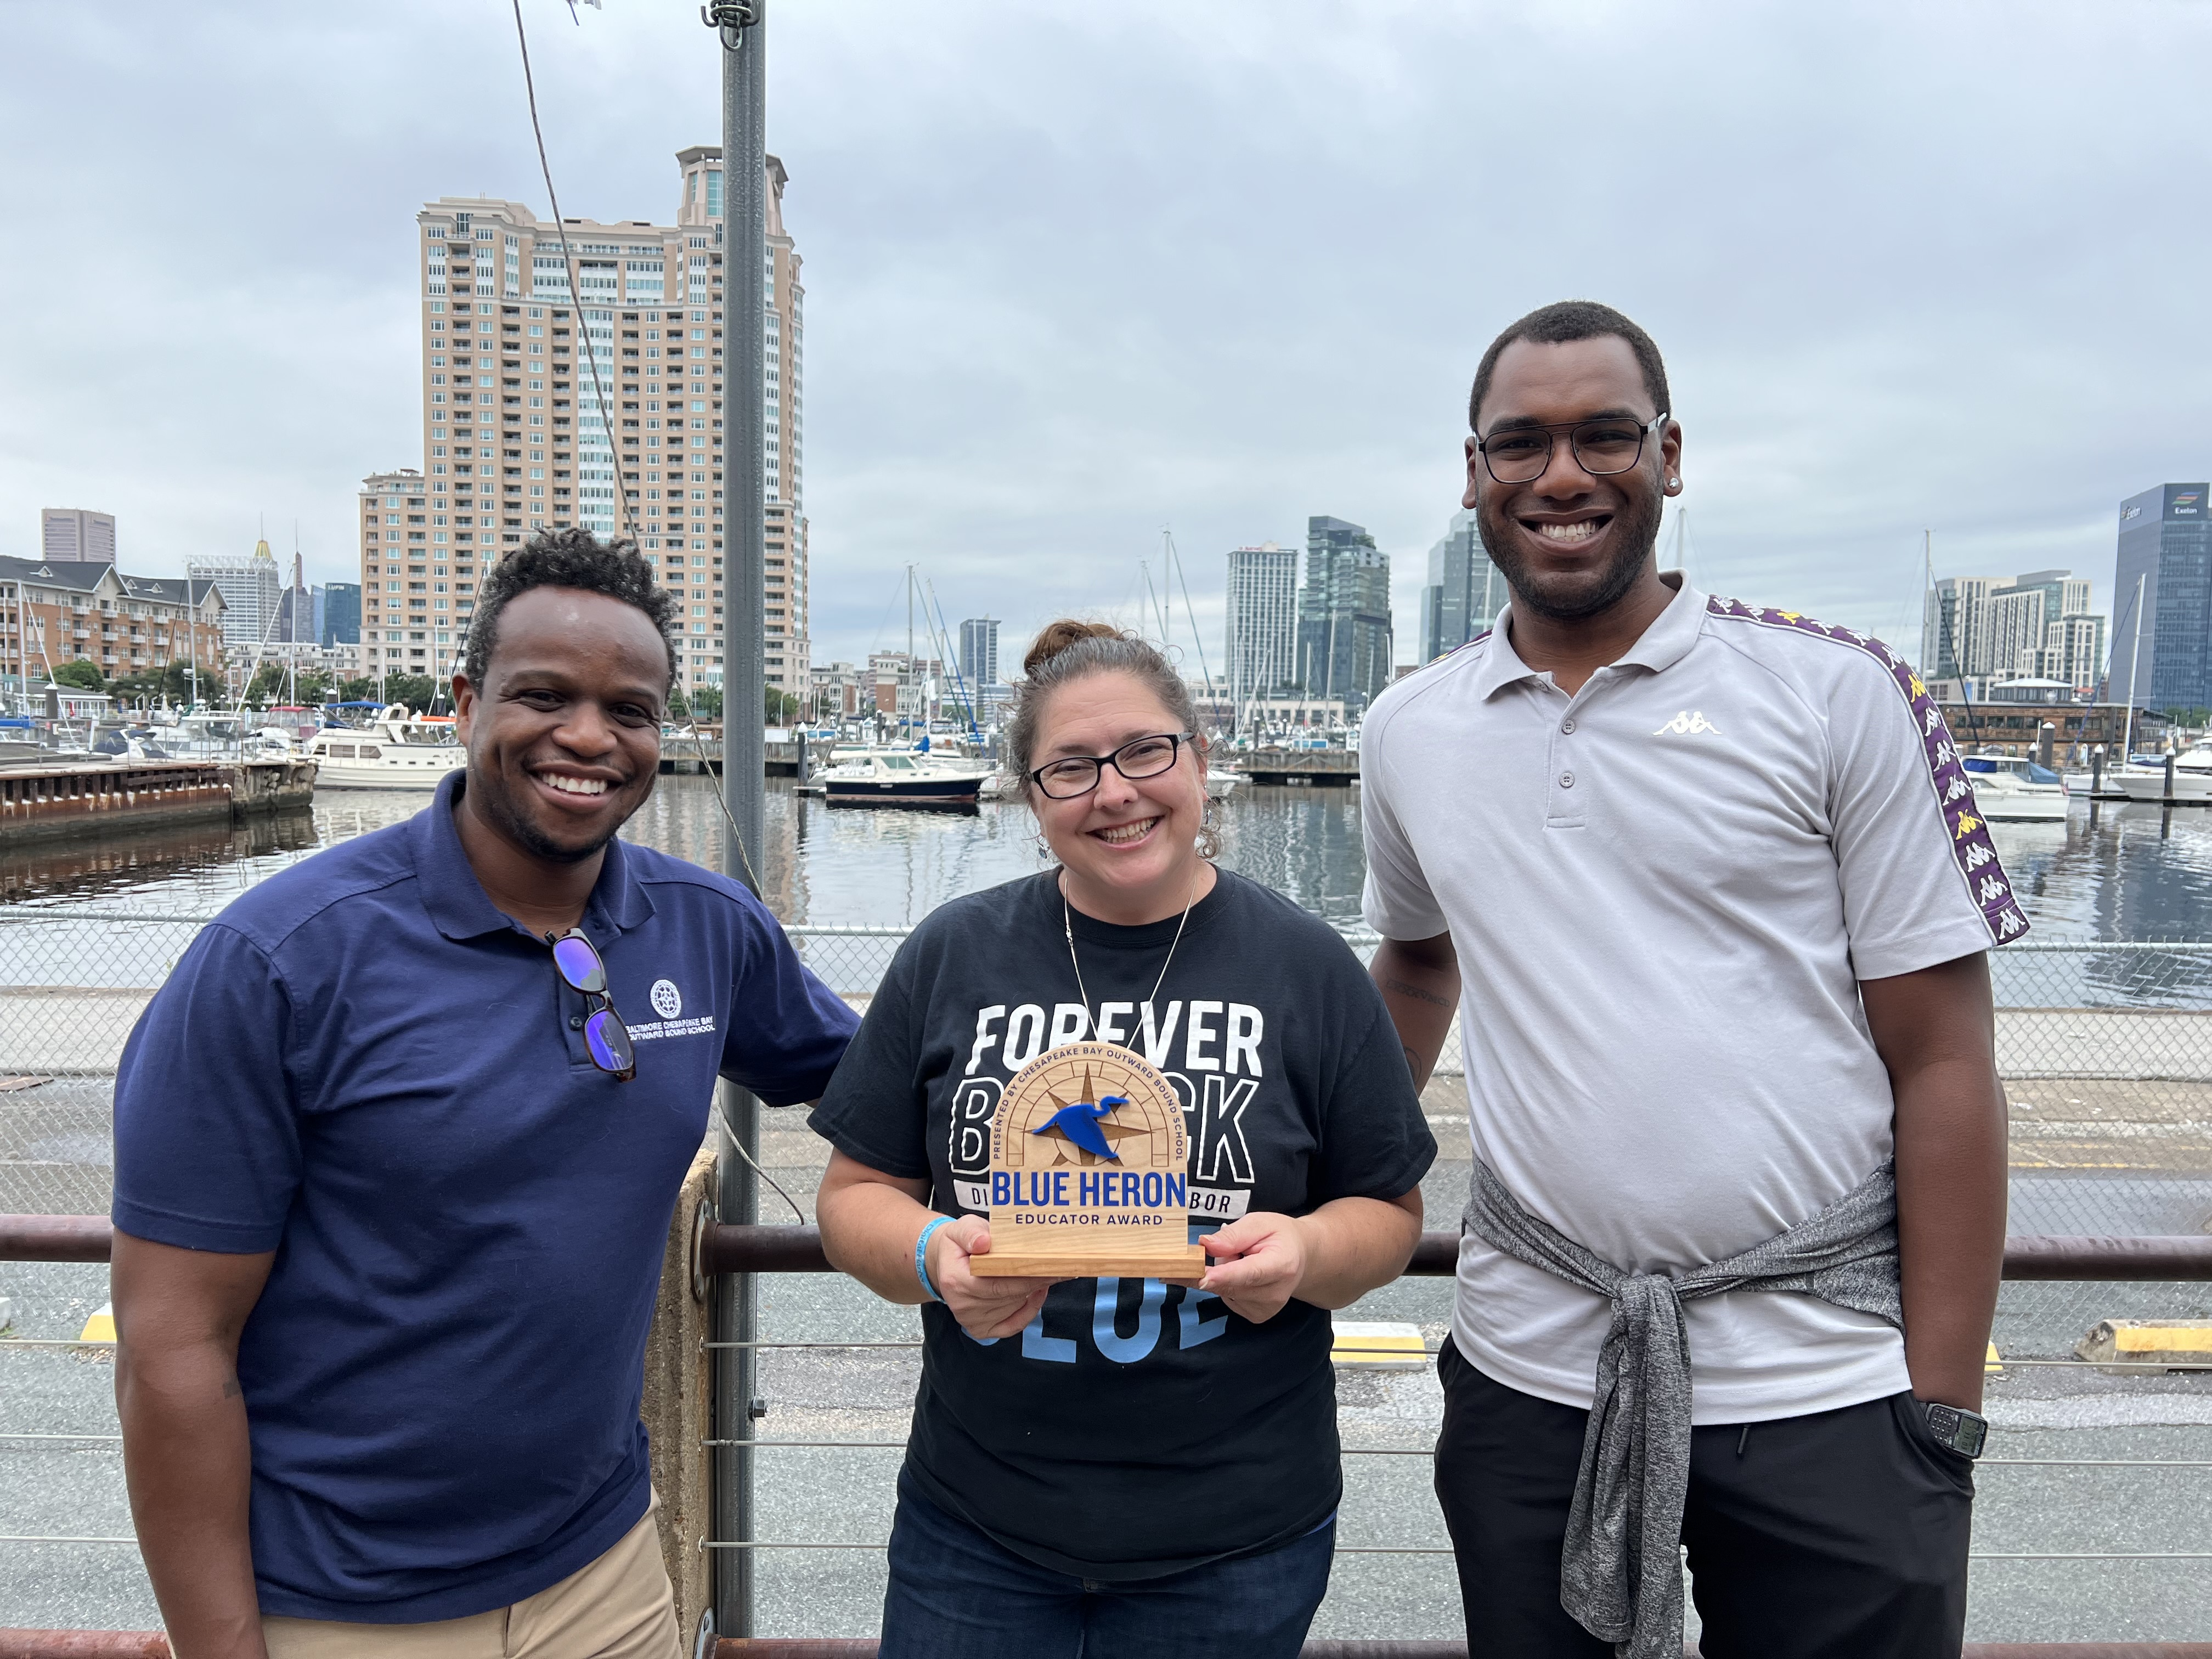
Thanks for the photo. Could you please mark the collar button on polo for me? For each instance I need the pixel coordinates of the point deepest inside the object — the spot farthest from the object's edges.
(1567, 727)
(1566, 779)
(575, 1021)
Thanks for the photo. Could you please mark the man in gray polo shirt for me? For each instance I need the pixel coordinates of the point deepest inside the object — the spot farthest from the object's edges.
(1710, 889)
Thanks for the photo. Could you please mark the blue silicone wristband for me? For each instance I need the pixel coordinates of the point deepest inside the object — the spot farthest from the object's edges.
(921, 1257)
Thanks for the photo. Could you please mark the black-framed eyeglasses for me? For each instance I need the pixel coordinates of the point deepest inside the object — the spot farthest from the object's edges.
(1141, 757)
(1521, 454)
(605, 1037)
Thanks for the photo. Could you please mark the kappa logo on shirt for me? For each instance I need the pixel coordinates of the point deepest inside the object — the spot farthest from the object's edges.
(1689, 723)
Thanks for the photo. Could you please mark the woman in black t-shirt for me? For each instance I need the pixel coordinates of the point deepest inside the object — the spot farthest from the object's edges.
(1123, 1466)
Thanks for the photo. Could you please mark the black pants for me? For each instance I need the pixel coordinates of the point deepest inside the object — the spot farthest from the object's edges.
(1838, 1535)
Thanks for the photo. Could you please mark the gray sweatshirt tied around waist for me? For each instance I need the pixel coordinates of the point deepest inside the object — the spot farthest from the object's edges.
(1620, 1575)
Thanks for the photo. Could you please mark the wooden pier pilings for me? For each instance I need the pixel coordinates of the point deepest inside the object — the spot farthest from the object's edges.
(73, 797)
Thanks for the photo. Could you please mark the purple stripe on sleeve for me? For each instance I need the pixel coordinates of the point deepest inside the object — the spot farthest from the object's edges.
(1971, 848)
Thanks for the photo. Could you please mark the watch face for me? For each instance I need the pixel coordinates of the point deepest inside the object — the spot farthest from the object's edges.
(1963, 1431)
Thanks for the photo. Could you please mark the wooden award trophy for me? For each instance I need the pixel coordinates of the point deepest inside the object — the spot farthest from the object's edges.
(1090, 1163)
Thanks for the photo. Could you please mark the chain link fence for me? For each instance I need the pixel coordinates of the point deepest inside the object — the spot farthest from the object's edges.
(2105, 1049)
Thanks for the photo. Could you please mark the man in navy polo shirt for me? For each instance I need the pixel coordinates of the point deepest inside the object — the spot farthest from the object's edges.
(393, 1177)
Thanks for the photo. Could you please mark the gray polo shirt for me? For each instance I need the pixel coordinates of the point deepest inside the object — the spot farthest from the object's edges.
(1664, 891)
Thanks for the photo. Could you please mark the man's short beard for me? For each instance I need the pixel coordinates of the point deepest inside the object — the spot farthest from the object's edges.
(498, 808)
(1639, 536)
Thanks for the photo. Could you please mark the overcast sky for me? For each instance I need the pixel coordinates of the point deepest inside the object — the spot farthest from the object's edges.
(1077, 272)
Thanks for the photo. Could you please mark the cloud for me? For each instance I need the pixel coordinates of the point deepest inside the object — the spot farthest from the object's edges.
(1075, 273)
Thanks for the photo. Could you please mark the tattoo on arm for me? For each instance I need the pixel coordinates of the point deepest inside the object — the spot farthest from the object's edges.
(1403, 988)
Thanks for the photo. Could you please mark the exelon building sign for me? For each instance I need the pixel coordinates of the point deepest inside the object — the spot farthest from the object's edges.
(2162, 599)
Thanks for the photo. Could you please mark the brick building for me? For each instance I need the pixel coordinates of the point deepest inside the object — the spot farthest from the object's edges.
(53, 612)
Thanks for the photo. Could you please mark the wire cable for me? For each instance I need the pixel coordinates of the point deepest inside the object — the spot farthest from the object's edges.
(742, 15)
(569, 263)
(770, 1179)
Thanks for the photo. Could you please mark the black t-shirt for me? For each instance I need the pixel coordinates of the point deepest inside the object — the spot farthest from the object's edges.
(1135, 1429)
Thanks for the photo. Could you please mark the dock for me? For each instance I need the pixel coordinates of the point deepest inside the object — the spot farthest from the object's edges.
(41, 798)
(691, 756)
(1324, 768)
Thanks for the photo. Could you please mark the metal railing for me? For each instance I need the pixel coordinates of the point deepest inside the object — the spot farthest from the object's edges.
(723, 1248)
(2105, 1047)
(151, 1644)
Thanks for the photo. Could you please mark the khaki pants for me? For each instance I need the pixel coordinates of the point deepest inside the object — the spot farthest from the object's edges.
(619, 1606)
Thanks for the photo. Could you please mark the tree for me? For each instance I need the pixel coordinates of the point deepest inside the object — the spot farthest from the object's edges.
(706, 702)
(677, 707)
(778, 707)
(171, 684)
(359, 691)
(83, 675)
(416, 690)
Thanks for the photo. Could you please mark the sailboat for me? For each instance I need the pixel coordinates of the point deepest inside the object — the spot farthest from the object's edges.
(1220, 783)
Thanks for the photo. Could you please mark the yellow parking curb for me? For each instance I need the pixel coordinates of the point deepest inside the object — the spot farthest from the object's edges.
(101, 1328)
(1992, 1366)
(2148, 1342)
(1376, 1345)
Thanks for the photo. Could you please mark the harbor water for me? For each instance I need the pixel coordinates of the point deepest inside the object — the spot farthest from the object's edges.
(2114, 874)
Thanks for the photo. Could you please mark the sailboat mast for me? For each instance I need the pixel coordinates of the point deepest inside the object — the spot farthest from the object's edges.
(1190, 613)
(2134, 657)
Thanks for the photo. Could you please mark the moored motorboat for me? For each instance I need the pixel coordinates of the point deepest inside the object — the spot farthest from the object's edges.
(2192, 777)
(876, 777)
(397, 751)
(2012, 790)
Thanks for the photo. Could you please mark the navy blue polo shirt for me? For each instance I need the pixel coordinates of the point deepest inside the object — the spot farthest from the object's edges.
(365, 1067)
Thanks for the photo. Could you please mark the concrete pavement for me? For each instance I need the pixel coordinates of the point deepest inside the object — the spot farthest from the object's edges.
(1388, 1420)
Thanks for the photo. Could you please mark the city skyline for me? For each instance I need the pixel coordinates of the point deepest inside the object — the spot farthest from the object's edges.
(1038, 330)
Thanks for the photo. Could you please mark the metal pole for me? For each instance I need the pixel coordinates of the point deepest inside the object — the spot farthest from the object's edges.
(743, 37)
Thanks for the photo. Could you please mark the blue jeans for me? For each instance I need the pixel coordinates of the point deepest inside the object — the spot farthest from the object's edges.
(956, 1593)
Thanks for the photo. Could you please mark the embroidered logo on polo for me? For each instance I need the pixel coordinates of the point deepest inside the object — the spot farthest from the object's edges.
(1971, 846)
(668, 1002)
(1689, 723)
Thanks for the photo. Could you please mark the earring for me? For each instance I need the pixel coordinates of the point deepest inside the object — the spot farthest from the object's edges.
(1674, 483)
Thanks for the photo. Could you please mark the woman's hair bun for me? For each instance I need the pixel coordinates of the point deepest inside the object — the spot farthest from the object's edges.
(1057, 636)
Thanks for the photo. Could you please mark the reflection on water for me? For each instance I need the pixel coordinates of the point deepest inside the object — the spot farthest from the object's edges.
(846, 866)
(2131, 872)
(97, 865)
(2120, 873)
(2109, 873)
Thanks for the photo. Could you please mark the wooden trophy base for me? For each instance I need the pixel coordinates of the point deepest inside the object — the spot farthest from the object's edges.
(1178, 1262)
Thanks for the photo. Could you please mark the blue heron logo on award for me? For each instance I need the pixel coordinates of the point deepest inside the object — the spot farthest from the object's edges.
(1090, 1171)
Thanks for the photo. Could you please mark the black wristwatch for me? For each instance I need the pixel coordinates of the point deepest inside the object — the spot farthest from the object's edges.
(1963, 1431)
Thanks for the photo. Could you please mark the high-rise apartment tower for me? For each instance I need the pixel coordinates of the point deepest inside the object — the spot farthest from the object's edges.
(542, 400)
(2035, 626)
(1262, 621)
